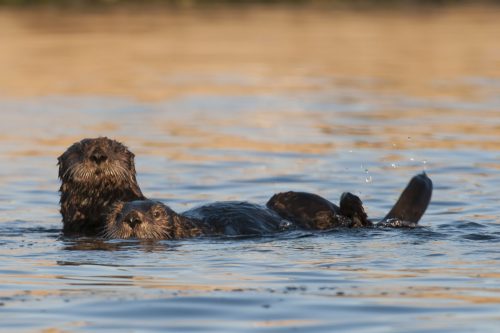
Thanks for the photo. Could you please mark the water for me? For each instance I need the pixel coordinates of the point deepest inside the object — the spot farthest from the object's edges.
(242, 118)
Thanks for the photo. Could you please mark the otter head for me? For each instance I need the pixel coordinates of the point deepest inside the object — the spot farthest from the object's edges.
(99, 161)
(140, 219)
(95, 173)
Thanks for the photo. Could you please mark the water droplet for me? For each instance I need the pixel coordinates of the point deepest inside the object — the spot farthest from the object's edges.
(412, 159)
(394, 165)
(368, 178)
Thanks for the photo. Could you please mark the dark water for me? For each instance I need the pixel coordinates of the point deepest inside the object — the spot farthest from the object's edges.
(325, 135)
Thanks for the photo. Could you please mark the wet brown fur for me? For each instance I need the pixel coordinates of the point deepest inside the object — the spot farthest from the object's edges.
(95, 174)
(157, 221)
(310, 211)
(99, 188)
(147, 219)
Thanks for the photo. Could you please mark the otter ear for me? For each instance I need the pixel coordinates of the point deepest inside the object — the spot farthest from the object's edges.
(134, 186)
(131, 160)
(62, 166)
(64, 161)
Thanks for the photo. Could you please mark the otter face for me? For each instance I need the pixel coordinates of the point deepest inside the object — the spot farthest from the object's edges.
(140, 219)
(99, 161)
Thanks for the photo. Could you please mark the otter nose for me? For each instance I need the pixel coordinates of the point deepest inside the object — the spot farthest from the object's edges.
(98, 157)
(133, 219)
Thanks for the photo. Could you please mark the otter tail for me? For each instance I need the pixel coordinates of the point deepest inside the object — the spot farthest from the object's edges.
(411, 204)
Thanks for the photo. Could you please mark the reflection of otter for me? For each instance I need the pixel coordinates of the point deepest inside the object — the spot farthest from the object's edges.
(95, 173)
(147, 219)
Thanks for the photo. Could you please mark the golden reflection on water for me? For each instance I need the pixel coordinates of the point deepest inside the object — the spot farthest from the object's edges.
(73, 286)
(154, 55)
(161, 55)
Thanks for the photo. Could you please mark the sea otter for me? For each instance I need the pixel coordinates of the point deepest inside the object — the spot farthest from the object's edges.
(95, 174)
(148, 219)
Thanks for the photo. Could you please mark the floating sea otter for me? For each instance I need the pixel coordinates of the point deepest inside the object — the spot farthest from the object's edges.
(148, 219)
(100, 196)
(95, 174)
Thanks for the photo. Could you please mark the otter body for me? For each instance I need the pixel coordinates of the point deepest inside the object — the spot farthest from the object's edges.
(147, 219)
(235, 218)
(95, 173)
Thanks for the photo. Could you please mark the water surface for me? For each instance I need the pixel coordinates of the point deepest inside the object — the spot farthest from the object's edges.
(238, 105)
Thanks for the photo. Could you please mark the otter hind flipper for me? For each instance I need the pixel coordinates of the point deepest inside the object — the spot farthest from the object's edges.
(411, 204)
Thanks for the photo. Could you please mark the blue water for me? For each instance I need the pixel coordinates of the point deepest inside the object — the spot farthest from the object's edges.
(195, 149)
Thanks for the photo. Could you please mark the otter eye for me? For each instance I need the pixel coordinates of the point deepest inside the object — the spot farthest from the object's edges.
(156, 214)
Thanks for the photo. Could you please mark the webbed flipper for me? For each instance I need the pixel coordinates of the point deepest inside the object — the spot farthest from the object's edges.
(411, 205)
